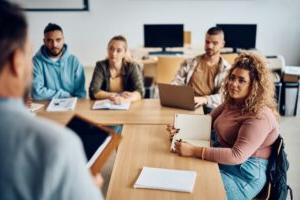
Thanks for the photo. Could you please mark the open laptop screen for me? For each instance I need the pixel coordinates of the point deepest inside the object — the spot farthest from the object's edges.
(94, 138)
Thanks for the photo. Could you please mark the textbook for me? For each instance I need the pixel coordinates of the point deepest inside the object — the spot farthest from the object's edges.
(107, 104)
(61, 105)
(192, 128)
(166, 179)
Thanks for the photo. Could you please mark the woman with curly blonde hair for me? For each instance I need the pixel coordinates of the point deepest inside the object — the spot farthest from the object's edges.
(262, 89)
(245, 125)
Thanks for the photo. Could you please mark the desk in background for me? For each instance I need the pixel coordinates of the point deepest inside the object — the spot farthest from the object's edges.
(146, 111)
(150, 63)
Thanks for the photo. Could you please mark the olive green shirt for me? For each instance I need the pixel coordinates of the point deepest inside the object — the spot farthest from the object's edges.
(132, 78)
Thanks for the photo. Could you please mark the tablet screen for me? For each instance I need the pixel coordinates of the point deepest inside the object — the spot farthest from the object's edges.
(94, 138)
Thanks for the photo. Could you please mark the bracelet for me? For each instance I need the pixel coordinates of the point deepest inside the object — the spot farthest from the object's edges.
(202, 153)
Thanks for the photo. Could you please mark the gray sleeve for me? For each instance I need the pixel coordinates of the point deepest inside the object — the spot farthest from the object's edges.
(68, 176)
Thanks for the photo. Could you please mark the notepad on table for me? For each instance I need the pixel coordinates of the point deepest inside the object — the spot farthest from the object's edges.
(107, 104)
(192, 128)
(60, 105)
(166, 179)
(35, 106)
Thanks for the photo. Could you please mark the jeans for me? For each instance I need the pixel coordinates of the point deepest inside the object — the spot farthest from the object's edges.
(243, 181)
(246, 180)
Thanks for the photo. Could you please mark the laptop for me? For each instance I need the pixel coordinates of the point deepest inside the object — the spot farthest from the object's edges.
(98, 141)
(178, 96)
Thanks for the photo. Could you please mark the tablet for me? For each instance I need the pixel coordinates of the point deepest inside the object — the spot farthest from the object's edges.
(98, 141)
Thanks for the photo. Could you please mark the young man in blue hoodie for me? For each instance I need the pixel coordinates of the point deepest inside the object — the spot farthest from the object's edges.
(56, 72)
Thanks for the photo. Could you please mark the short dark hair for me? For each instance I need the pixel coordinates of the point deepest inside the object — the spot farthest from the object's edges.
(13, 31)
(52, 27)
(215, 31)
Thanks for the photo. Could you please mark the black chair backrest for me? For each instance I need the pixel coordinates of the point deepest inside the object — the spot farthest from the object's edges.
(277, 171)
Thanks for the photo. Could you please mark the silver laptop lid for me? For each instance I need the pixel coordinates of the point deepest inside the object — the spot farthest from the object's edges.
(176, 96)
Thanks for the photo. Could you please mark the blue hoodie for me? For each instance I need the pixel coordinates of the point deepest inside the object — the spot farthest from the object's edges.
(57, 79)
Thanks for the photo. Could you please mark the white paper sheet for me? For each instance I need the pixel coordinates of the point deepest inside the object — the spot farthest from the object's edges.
(60, 105)
(166, 179)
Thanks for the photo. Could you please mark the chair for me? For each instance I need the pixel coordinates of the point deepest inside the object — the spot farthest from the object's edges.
(148, 83)
(229, 57)
(149, 87)
(276, 156)
(187, 38)
(167, 67)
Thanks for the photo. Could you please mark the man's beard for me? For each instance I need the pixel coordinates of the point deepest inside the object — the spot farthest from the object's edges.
(210, 52)
(52, 53)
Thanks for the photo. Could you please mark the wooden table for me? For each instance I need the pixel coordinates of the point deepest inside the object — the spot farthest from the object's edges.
(145, 143)
(148, 145)
(147, 111)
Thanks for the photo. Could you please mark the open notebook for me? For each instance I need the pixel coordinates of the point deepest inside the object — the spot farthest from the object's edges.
(61, 105)
(192, 128)
(107, 104)
(166, 179)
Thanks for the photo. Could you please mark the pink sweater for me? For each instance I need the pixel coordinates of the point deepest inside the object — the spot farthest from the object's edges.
(242, 136)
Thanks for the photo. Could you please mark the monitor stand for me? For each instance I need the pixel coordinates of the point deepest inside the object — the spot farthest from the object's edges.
(165, 52)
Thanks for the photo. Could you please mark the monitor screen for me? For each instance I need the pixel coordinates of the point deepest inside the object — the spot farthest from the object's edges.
(163, 35)
(242, 36)
(92, 136)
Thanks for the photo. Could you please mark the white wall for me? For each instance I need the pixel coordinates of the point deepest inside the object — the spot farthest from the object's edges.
(88, 32)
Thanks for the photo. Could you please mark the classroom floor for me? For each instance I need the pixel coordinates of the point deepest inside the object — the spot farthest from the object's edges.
(290, 131)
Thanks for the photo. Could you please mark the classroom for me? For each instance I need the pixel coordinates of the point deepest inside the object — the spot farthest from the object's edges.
(149, 99)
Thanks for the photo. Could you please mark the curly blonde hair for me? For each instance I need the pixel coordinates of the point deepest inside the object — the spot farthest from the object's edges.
(262, 89)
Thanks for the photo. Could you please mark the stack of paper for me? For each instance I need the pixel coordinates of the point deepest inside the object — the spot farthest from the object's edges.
(166, 179)
(107, 104)
(192, 128)
(60, 105)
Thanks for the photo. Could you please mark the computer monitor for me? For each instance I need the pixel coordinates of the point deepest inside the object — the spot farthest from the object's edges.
(163, 36)
(239, 36)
